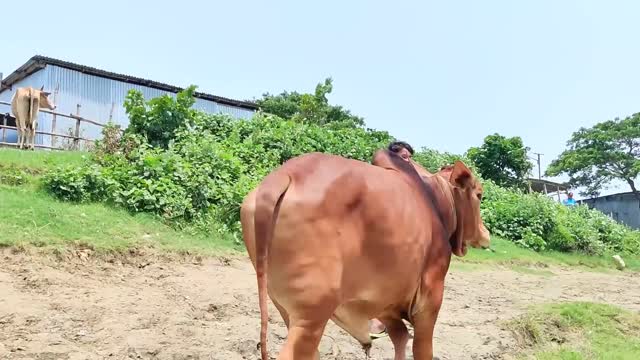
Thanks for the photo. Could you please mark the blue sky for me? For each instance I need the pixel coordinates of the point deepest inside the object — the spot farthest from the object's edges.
(436, 74)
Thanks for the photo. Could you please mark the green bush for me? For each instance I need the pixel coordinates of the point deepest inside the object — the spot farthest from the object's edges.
(189, 166)
(12, 176)
(203, 170)
(537, 222)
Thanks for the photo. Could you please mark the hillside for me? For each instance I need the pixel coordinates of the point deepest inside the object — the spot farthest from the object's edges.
(31, 217)
(101, 272)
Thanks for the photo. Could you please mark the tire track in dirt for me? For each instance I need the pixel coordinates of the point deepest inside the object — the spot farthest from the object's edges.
(158, 309)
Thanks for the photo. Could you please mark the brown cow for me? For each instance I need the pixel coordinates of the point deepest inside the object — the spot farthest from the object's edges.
(25, 105)
(349, 241)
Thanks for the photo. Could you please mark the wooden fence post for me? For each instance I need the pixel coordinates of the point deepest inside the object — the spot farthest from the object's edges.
(54, 119)
(76, 139)
(4, 130)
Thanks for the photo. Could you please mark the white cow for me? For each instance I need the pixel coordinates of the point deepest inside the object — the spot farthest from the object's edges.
(25, 105)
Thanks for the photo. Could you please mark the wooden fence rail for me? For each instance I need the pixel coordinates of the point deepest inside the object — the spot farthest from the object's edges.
(53, 135)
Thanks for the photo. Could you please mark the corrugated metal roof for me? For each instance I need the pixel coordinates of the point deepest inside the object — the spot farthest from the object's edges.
(39, 62)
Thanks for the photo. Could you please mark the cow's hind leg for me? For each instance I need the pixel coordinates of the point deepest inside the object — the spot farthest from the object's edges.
(32, 142)
(303, 339)
(399, 336)
(22, 133)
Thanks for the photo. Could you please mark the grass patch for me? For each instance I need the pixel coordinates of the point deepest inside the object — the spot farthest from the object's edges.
(40, 161)
(31, 217)
(578, 330)
(509, 254)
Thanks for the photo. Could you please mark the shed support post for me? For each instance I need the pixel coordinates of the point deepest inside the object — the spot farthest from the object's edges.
(76, 139)
(4, 129)
(54, 118)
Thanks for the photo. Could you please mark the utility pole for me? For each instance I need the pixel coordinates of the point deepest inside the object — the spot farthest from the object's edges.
(539, 169)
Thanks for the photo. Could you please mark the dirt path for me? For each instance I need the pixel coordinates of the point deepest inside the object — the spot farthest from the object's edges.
(168, 310)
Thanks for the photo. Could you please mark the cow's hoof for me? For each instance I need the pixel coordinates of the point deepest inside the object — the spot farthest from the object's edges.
(367, 350)
(436, 358)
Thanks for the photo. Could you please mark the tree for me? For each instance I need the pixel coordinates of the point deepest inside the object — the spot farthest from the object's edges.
(158, 118)
(311, 108)
(595, 156)
(503, 160)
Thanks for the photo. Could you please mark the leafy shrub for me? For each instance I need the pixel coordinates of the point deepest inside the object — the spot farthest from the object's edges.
(537, 222)
(159, 118)
(110, 143)
(77, 184)
(189, 166)
(433, 160)
(12, 176)
(200, 167)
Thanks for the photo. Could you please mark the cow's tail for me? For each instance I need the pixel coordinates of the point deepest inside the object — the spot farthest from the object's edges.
(268, 199)
(31, 103)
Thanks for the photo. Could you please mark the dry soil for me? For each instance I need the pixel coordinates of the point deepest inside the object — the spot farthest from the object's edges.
(80, 307)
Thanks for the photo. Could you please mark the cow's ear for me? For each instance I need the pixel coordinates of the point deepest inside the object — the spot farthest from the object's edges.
(45, 93)
(460, 175)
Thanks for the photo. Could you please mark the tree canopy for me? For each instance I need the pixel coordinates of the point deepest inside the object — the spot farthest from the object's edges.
(503, 160)
(600, 154)
(309, 108)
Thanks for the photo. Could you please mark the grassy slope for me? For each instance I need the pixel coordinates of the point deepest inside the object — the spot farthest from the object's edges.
(508, 253)
(40, 160)
(579, 330)
(30, 216)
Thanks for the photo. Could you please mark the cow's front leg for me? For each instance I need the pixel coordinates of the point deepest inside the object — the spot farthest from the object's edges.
(424, 323)
(399, 336)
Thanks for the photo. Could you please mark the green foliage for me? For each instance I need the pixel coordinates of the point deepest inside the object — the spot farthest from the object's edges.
(597, 155)
(203, 169)
(502, 160)
(199, 171)
(12, 175)
(159, 118)
(110, 143)
(32, 217)
(433, 160)
(309, 108)
(524, 218)
(539, 223)
(536, 222)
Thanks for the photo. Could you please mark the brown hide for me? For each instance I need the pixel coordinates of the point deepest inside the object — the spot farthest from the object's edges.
(333, 238)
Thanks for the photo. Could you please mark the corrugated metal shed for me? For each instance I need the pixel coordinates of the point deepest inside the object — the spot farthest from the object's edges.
(100, 94)
(622, 207)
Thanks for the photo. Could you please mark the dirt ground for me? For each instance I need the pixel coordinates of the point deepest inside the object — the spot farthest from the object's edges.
(79, 307)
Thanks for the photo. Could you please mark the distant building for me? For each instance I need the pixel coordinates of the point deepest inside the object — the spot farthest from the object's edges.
(99, 93)
(622, 207)
(547, 187)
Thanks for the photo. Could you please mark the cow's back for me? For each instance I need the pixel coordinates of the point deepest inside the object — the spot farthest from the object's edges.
(21, 105)
(351, 226)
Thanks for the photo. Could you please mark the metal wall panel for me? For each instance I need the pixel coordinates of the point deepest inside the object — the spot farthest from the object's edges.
(99, 98)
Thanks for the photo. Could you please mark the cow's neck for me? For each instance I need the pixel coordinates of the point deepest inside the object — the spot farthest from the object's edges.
(445, 221)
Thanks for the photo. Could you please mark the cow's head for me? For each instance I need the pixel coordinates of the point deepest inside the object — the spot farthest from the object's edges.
(467, 194)
(44, 100)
